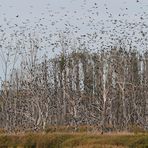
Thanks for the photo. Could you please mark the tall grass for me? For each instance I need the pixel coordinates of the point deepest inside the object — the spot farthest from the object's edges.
(73, 140)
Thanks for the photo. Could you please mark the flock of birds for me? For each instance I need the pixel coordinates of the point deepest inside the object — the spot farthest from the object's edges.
(77, 28)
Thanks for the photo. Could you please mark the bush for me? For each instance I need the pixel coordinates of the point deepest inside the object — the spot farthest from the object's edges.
(2, 131)
(136, 129)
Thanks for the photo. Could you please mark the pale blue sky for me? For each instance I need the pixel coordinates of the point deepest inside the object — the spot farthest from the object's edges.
(54, 14)
(11, 7)
(34, 9)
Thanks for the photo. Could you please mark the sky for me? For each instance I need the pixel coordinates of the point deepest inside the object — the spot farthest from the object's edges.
(24, 7)
(53, 15)
(35, 9)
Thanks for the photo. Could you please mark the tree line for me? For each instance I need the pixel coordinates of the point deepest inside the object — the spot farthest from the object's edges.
(105, 89)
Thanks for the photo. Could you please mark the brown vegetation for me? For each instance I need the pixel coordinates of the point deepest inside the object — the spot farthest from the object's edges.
(77, 140)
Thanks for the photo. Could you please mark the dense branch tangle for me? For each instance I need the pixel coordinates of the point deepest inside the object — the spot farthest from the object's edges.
(107, 89)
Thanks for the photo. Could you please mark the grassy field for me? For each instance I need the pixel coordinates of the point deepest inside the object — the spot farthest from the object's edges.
(73, 140)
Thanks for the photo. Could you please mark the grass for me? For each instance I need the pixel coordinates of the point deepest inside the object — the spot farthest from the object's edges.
(73, 140)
